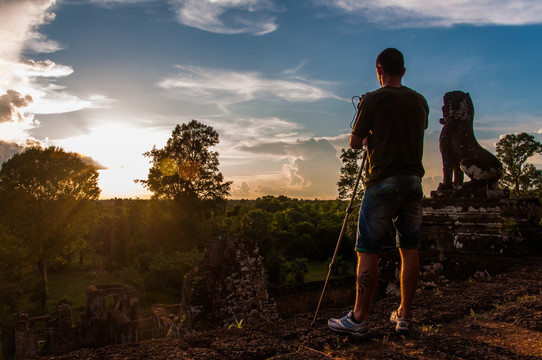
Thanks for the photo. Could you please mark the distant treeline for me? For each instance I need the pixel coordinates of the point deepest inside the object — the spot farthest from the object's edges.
(138, 234)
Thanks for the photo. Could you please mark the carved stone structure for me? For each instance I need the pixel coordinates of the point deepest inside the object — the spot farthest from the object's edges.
(113, 317)
(228, 284)
(505, 227)
(475, 217)
(461, 153)
(26, 337)
(64, 335)
(33, 335)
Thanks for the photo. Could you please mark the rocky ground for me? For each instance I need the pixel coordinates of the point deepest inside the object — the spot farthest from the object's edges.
(487, 316)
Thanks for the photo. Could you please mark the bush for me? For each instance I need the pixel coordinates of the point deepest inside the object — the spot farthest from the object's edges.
(341, 266)
(297, 269)
(161, 272)
(275, 267)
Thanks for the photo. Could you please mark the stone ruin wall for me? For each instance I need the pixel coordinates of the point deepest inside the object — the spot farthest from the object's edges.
(113, 316)
(482, 226)
(228, 285)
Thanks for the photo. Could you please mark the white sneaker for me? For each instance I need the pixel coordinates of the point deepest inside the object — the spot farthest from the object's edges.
(347, 325)
(402, 325)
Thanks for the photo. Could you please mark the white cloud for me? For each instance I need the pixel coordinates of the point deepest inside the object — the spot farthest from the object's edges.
(18, 21)
(229, 87)
(296, 69)
(30, 80)
(40, 44)
(306, 168)
(226, 16)
(110, 3)
(422, 13)
(17, 132)
(218, 16)
(44, 68)
(254, 130)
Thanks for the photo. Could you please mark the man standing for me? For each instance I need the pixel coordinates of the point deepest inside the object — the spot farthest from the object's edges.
(390, 122)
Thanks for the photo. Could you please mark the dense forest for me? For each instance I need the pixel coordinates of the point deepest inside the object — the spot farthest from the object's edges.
(152, 244)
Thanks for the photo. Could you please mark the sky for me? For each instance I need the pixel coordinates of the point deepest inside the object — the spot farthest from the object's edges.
(110, 79)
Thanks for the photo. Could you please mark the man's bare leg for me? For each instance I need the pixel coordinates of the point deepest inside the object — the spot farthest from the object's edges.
(366, 283)
(410, 275)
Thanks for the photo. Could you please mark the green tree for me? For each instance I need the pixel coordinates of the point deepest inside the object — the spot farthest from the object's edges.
(185, 169)
(297, 269)
(513, 150)
(256, 225)
(47, 195)
(349, 173)
(530, 182)
(14, 267)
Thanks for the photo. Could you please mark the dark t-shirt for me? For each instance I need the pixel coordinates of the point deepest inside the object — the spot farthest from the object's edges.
(393, 120)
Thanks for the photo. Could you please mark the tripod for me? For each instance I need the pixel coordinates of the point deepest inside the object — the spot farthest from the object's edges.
(348, 211)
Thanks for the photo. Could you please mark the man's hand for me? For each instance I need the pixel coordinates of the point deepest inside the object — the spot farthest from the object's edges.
(356, 142)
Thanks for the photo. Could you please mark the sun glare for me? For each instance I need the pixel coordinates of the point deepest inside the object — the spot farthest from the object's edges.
(118, 151)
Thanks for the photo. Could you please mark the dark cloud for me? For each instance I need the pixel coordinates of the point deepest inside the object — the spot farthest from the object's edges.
(316, 169)
(7, 150)
(90, 161)
(242, 191)
(275, 148)
(10, 103)
(42, 65)
(310, 168)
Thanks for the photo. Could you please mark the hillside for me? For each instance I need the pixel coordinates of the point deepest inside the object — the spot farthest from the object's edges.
(489, 316)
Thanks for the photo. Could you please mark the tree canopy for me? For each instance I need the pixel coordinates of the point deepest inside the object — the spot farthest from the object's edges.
(45, 207)
(513, 150)
(349, 173)
(49, 174)
(185, 168)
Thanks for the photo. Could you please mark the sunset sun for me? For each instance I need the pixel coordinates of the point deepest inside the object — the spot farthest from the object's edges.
(117, 150)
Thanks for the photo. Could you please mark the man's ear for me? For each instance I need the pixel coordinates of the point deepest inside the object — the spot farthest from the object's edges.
(403, 73)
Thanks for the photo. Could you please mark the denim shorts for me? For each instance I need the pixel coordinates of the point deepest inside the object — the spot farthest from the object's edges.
(391, 207)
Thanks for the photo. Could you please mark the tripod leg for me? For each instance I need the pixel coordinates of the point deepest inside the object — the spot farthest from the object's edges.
(343, 228)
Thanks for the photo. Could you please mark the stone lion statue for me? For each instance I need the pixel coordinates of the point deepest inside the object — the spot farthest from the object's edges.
(461, 153)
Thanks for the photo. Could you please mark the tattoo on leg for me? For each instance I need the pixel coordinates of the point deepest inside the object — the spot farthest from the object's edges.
(363, 282)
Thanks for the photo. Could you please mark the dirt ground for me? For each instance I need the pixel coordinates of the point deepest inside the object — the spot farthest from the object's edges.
(488, 316)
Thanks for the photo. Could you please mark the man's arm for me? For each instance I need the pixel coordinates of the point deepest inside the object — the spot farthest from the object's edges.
(356, 142)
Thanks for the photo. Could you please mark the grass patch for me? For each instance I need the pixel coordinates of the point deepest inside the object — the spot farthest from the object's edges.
(70, 287)
(149, 298)
(317, 271)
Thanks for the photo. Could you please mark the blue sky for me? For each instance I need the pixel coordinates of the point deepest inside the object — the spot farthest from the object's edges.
(110, 79)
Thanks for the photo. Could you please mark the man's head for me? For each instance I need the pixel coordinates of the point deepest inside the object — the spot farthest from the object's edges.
(391, 62)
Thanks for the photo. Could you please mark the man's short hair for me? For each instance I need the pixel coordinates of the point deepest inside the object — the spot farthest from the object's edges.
(392, 62)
